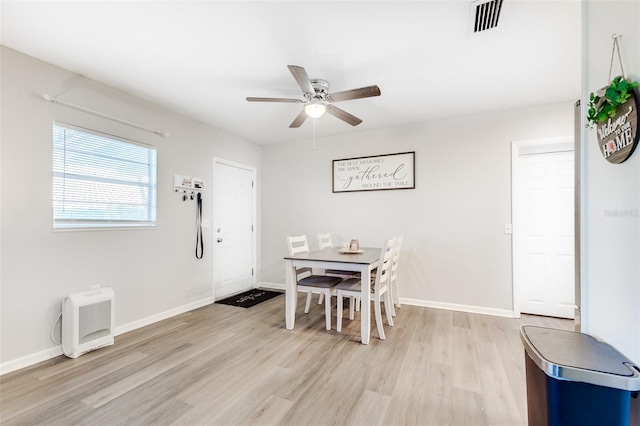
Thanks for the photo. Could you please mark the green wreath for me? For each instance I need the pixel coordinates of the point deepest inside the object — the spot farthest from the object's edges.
(605, 106)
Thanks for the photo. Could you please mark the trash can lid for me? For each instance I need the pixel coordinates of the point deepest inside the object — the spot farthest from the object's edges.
(570, 355)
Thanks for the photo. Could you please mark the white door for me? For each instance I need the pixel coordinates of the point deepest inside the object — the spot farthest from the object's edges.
(546, 234)
(233, 228)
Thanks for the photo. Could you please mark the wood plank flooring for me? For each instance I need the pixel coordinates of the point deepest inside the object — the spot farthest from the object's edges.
(223, 365)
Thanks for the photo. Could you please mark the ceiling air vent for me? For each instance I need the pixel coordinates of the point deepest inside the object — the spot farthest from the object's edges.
(487, 14)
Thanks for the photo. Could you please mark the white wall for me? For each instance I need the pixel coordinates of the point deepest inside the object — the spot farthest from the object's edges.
(154, 273)
(611, 296)
(456, 253)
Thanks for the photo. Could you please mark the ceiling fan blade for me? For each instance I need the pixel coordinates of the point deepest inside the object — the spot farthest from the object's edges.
(303, 80)
(343, 115)
(299, 119)
(290, 100)
(363, 92)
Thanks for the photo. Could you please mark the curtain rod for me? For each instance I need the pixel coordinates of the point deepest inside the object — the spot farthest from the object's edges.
(51, 99)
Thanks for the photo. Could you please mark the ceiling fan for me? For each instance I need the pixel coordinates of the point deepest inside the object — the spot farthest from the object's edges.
(318, 100)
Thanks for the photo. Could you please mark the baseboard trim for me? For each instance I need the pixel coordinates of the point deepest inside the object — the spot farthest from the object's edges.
(472, 309)
(26, 361)
(274, 286)
(125, 328)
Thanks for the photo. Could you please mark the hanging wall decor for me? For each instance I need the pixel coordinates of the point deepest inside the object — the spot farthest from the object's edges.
(380, 172)
(613, 112)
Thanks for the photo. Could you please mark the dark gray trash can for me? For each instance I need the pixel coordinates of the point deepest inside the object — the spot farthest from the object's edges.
(575, 379)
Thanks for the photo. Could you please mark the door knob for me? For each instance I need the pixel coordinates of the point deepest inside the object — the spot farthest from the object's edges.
(219, 240)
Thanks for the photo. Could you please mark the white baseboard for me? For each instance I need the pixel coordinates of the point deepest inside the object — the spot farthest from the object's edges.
(125, 328)
(457, 307)
(274, 286)
(26, 361)
(428, 304)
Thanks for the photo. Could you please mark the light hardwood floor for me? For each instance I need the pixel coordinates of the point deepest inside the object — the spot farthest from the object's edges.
(227, 365)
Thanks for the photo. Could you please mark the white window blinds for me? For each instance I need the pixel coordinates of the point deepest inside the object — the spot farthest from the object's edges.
(101, 181)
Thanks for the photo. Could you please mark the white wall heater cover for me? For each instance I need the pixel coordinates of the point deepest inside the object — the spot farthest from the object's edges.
(87, 321)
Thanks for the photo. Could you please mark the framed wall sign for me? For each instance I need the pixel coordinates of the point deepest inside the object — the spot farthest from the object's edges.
(391, 171)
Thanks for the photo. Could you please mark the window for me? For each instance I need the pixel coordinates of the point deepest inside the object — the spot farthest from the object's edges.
(100, 181)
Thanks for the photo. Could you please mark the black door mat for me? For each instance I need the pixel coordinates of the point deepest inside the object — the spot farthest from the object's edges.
(249, 298)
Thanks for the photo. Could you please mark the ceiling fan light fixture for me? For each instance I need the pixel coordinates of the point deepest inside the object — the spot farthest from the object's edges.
(317, 99)
(315, 109)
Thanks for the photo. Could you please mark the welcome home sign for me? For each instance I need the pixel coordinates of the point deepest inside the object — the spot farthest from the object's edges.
(391, 171)
(618, 136)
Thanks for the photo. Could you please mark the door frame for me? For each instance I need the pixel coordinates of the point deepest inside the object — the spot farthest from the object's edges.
(217, 161)
(518, 148)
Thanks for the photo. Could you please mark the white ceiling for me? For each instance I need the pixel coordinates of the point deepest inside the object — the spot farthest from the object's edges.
(203, 58)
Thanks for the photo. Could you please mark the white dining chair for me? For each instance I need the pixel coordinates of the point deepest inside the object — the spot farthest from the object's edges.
(393, 275)
(325, 241)
(308, 282)
(379, 288)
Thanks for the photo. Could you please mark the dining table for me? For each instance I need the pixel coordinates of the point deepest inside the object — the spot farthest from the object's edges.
(364, 260)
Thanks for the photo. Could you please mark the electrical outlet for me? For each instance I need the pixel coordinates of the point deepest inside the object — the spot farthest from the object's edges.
(508, 228)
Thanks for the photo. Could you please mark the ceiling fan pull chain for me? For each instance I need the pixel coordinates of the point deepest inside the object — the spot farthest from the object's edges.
(314, 133)
(615, 47)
